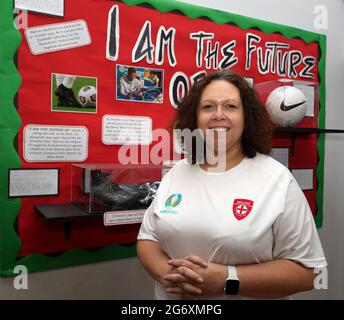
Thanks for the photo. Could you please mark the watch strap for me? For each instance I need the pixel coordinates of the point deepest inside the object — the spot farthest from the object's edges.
(232, 284)
(232, 273)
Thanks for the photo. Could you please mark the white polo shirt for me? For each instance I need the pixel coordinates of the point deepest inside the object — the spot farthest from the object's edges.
(252, 213)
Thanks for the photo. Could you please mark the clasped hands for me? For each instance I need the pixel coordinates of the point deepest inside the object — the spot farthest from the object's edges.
(191, 277)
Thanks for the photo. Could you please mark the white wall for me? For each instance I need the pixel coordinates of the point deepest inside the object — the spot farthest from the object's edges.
(126, 279)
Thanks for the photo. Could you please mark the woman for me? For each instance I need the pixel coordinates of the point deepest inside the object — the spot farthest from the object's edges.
(239, 230)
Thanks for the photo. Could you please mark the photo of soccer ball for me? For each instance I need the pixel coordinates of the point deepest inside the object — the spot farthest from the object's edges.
(286, 106)
(87, 96)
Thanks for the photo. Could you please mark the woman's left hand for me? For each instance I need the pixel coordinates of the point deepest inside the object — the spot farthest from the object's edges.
(189, 270)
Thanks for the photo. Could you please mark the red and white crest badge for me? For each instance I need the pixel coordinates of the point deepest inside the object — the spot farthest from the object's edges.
(242, 208)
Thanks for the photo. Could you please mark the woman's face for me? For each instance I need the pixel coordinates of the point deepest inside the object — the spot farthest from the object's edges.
(221, 113)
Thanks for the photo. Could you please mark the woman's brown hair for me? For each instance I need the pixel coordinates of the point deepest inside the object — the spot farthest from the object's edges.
(257, 132)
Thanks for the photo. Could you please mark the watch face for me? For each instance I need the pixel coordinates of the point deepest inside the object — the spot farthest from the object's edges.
(232, 286)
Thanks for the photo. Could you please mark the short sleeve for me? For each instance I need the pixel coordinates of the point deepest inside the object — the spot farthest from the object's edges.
(295, 234)
(149, 222)
(148, 226)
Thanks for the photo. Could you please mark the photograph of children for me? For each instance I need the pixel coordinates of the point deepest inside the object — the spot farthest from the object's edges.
(139, 84)
(71, 93)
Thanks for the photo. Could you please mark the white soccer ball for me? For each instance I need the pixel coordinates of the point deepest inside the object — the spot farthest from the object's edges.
(87, 96)
(286, 106)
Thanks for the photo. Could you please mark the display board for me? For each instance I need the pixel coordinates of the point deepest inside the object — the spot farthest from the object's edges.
(67, 97)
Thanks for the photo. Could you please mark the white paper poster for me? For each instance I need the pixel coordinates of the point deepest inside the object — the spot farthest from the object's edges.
(304, 178)
(281, 155)
(55, 143)
(28, 182)
(58, 36)
(130, 130)
(53, 7)
(113, 218)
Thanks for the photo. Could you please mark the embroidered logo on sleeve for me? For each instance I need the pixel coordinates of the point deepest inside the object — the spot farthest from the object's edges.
(242, 208)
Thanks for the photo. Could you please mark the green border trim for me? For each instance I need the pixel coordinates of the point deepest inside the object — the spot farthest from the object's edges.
(321, 137)
(10, 123)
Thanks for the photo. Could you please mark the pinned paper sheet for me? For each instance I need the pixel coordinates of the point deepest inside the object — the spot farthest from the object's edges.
(281, 155)
(51, 7)
(55, 143)
(113, 218)
(304, 178)
(35, 182)
(131, 130)
(58, 36)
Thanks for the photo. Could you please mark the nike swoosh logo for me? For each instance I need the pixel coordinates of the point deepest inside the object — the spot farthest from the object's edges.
(290, 107)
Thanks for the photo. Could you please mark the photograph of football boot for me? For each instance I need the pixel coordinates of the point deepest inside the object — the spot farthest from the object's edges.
(66, 97)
